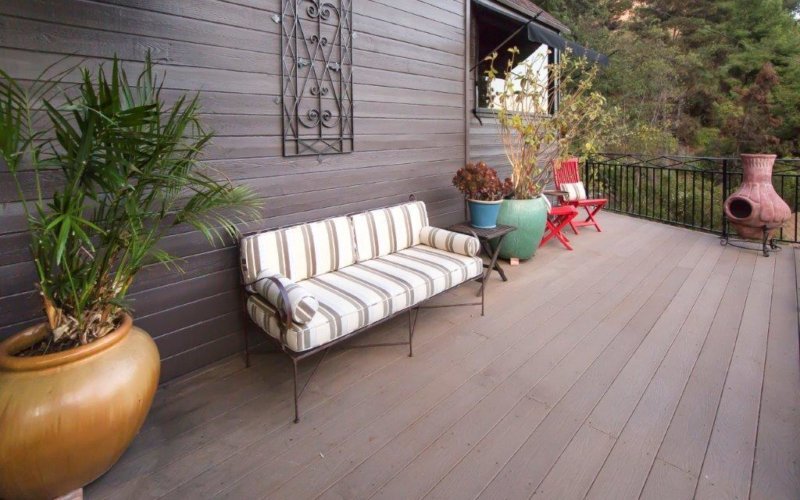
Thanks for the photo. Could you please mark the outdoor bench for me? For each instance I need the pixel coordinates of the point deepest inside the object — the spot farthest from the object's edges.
(313, 285)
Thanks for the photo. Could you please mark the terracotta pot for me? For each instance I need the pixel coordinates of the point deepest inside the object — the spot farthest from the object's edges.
(67, 417)
(756, 205)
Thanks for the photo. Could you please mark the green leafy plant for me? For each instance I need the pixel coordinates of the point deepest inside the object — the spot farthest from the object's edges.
(127, 170)
(532, 137)
(478, 181)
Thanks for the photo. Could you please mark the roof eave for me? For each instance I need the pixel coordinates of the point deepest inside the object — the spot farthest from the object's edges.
(549, 21)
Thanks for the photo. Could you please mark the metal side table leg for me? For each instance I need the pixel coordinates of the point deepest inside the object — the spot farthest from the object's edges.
(493, 265)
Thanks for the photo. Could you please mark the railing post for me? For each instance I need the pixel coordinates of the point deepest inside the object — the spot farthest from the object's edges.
(724, 196)
(586, 172)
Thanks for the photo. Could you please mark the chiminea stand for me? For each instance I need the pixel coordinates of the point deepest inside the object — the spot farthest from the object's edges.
(768, 245)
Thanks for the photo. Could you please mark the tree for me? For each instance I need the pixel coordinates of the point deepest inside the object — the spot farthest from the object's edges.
(680, 67)
(753, 120)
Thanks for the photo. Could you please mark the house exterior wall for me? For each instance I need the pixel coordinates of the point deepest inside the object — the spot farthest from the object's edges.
(409, 118)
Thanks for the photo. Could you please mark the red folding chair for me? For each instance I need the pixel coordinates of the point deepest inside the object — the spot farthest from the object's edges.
(557, 219)
(567, 172)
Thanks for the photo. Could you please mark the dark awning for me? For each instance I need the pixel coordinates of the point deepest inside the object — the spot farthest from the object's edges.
(539, 33)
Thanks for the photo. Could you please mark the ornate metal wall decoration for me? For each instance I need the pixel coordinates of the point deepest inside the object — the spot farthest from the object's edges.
(316, 73)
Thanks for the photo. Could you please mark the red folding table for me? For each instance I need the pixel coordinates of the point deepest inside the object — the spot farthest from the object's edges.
(558, 217)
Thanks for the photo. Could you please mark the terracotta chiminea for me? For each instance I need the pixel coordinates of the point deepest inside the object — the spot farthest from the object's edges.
(755, 210)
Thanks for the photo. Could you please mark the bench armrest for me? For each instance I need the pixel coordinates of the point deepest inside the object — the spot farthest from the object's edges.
(449, 241)
(293, 302)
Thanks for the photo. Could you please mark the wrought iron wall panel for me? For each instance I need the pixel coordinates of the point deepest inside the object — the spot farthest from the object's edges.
(316, 74)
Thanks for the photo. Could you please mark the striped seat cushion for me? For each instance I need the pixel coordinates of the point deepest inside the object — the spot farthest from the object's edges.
(450, 241)
(302, 303)
(387, 230)
(362, 294)
(299, 252)
(575, 191)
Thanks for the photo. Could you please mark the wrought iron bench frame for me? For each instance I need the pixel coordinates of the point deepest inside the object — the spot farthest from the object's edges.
(286, 322)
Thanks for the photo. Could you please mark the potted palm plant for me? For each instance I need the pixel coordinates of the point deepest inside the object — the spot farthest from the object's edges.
(534, 137)
(484, 192)
(76, 389)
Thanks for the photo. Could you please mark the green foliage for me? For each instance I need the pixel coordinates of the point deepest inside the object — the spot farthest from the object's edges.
(532, 138)
(686, 68)
(129, 170)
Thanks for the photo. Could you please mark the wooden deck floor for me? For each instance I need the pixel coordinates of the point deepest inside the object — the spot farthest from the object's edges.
(650, 362)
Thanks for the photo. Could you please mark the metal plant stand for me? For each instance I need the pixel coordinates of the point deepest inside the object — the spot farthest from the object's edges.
(768, 245)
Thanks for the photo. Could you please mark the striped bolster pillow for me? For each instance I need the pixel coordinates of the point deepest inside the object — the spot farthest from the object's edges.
(302, 303)
(449, 241)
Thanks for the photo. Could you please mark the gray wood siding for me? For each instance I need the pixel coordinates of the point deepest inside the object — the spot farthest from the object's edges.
(485, 144)
(409, 136)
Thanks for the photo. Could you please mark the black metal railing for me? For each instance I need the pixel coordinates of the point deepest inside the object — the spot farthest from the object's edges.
(682, 190)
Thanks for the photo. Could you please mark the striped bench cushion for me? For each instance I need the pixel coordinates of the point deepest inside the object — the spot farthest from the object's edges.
(299, 252)
(362, 294)
(450, 241)
(387, 230)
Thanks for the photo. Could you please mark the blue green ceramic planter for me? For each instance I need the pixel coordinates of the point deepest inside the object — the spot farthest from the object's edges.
(528, 216)
(483, 214)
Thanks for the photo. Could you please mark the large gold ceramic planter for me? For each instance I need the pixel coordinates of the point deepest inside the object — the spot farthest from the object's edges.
(66, 418)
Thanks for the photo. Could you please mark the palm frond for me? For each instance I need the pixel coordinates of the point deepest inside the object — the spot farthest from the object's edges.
(131, 171)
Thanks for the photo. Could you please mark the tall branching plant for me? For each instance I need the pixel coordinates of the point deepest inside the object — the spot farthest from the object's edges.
(533, 137)
(128, 170)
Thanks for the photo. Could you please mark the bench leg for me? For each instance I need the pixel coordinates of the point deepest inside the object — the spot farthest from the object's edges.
(299, 393)
(483, 298)
(296, 395)
(412, 325)
(245, 322)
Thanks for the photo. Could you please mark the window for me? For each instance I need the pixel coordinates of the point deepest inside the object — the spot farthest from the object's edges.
(492, 31)
(536, 63)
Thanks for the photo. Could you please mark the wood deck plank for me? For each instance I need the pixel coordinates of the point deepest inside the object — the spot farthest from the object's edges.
(591, 462)
(776, 472)
(266, 432)
(588, 375)
(526, 469)
(618, 404)
(686, 441)
(157, 468)
(625, 470)
(728, 465)
(667, 482)
(579, 344)
(575, 469)
(470, 476)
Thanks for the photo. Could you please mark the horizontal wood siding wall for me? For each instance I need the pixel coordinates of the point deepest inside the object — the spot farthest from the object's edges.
(485, 144)
(409, 135)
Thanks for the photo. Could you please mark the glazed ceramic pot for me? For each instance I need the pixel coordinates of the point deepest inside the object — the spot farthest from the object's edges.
(756, 206)
(529, 217)
(483, 214)
(67, 417)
